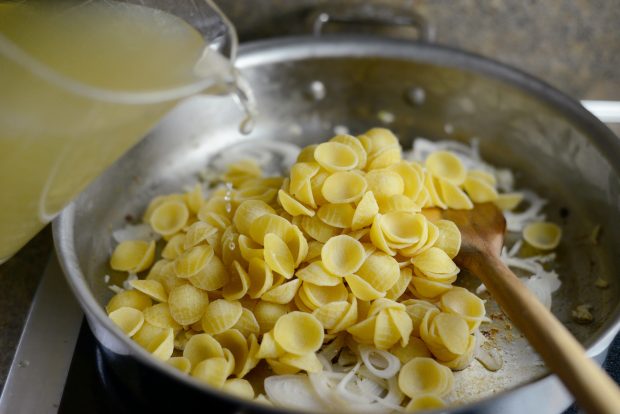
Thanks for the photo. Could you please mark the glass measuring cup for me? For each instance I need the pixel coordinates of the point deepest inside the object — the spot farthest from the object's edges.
(82, 82)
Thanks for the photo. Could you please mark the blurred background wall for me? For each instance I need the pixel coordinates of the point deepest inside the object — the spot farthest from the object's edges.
(572, 44)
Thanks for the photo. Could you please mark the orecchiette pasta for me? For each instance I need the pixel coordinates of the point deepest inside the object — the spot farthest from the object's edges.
(343, 255)
(133, 256)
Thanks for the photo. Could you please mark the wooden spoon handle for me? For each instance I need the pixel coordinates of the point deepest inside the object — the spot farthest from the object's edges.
(593, 389)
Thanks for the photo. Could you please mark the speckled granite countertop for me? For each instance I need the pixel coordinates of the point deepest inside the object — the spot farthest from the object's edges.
(572, 44)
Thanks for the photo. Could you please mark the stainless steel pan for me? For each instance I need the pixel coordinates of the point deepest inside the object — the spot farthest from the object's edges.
(556, 146)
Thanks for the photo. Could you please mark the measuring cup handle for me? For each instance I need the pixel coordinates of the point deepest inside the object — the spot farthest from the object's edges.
(372, 14)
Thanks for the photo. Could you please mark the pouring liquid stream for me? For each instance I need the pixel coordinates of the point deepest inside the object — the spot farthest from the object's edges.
(82, 82)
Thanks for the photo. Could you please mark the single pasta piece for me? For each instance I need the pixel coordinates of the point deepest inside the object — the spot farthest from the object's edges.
(187, 304)
(465, 304)
(239, 387)
(247, 323)
(162, 345)
(133, 256)
(180, 363)
(239, 284)
(307, 154)
(448, 238)
(424, 376)
(335, 156)
(298, 333)
(365, 211)
(479, 190)
(385, 183)
(446, 165)
(221, 315)
(302, 172)
(356, 146)
(159, 315)
(174, 248)
(200, 347)
(508, 201)
(292, 206)
(247, 212)
(169, 217)
(337, 215)
(380, 270)
(343, 255)
(331, 313)
(403, 227)
(269, 223)
(267, 314)
(278, 256)
(316, 296)
(317, 274)
(362, 289)
(282, 294)
(542, 235)
(212, 371)
(129, 298)
(435, 261)
(152, 288)
(344, 187)
(415, 348)
(237, 344)
(261, 278)
(147, 334)
(307, 362)
(453, 196)
(130, 320)
(193, 261)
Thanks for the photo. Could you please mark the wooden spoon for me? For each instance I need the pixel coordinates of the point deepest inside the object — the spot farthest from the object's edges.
(482, 232)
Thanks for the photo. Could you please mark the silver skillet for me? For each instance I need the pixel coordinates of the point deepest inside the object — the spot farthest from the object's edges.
(556, 146)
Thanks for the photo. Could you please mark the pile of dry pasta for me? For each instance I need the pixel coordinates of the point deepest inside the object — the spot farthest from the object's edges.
(333, 273)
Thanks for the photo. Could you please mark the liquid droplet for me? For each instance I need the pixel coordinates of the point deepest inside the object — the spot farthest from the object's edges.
(386, 117)
(341, 130)
(247, 125)
(228, 197)
(415, 96)
(244, 97)
(316, 90)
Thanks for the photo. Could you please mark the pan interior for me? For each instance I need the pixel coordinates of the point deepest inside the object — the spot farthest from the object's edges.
(550, 149)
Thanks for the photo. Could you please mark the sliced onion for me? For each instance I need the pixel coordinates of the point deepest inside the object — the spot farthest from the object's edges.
(517, 221)
(468, 154)
(343, 391)
(135, 232)
(323, 386)
(365, 373)
(331, 350)
(380, 363)
(515, 248)
(540, 290)
(491, 359)
(324, 362)
(530, 266)
(394, 396)
(293, 391)
(130, 277)
(370, 387)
